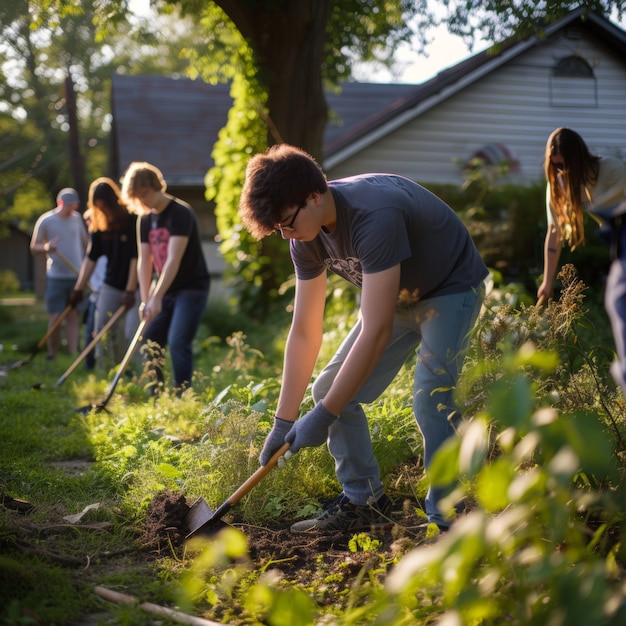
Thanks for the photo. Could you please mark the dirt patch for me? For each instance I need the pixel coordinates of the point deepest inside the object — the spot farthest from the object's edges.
(165, 523)
(299, 557)
(75, 467)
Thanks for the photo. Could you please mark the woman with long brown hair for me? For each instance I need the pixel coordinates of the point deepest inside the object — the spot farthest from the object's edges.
(579, 183)
(112, 234)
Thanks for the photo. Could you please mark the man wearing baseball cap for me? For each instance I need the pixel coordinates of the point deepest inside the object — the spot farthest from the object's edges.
(62, 236)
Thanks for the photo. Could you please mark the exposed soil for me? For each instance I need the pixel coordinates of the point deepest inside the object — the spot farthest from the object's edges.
(322, 562)
(297, 556)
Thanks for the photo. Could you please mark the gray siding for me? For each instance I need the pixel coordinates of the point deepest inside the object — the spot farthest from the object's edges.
(518, 105)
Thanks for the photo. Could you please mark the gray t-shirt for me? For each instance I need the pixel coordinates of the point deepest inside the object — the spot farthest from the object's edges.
(383, 220)
(71, 245)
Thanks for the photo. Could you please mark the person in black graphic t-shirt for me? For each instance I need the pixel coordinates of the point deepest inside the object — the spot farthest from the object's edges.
(169, 245)
(112, 236)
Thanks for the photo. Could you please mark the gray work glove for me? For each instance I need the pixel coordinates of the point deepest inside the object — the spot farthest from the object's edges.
(311, 429)
(275, 439)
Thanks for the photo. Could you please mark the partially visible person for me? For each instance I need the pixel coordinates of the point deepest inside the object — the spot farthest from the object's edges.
(113, 237)
(170, 246)
(421, 281)
(95, 282)
(580, 182)
(61, 235)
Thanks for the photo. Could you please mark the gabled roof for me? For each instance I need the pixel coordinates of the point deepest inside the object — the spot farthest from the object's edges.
(452, 80)
(170, 122)
(174, 123)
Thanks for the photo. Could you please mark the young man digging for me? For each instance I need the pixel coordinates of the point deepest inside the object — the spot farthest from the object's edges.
(421, 280)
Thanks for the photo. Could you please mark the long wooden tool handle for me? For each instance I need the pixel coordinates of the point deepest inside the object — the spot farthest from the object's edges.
(54, 327)
(155, 609)
(258, 476)
(125, 361)
(70, 265)
(91, 345)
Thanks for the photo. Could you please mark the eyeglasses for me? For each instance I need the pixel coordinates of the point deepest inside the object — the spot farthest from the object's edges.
(288, 228)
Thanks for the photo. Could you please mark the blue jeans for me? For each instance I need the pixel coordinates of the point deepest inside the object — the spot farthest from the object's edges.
(440, 327)
(90, 319)
(176, 325)
(615, 304)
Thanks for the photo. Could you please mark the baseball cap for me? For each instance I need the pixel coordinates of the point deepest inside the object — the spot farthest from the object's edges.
(68, 196)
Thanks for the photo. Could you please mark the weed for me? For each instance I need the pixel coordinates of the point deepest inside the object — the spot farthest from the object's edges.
(362, 542)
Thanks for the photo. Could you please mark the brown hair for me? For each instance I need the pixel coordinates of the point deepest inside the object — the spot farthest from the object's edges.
(281, 178)
(139, 175)
(115, 213)
(580, 169)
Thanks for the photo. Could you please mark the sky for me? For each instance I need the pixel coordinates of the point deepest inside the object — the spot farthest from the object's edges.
(446, 50)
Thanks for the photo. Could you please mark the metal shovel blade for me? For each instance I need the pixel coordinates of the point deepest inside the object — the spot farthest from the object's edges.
(42, 341)
(136, 340)
(200, 520)
(88, 408)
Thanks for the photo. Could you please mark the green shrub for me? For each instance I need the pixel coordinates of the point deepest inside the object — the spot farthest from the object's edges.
(9, 282)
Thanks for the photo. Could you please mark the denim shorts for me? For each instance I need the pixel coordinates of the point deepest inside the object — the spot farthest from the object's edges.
(57, 294)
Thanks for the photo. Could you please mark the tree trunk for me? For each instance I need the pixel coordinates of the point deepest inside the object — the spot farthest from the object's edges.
(289, 43)
(76, 161)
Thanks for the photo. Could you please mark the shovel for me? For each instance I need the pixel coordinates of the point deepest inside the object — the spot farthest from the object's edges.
(132, 347)
(42, 341)
(91, 346)
(201, 520)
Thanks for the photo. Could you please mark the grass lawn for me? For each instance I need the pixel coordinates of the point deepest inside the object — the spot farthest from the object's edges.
(97, 501)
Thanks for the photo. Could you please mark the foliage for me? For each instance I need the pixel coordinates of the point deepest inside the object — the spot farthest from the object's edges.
(497, 20)
(253, 267)
(44, 44)
(546, 537)
(541, 456)
(9, 282)
(507, 223)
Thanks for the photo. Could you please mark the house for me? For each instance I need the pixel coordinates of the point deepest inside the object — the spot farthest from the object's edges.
(503, 104)
(500, 105)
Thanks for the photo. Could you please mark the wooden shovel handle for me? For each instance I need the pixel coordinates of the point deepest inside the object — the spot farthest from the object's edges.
(258, 476)
(93, 342)
(70, 266)
(122, 366)
(54, 327)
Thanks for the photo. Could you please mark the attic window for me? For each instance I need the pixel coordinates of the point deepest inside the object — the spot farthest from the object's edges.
(572, 32)
(573, 83)
(572, 66)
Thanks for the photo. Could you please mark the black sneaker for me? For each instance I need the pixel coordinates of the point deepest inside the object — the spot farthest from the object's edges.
(344, 515)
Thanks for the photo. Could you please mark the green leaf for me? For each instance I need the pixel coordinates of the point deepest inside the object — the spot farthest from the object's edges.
(474, 447)
(511, 401)
(291, 608)
(493, 483)
(168, 470)
(444, 467)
